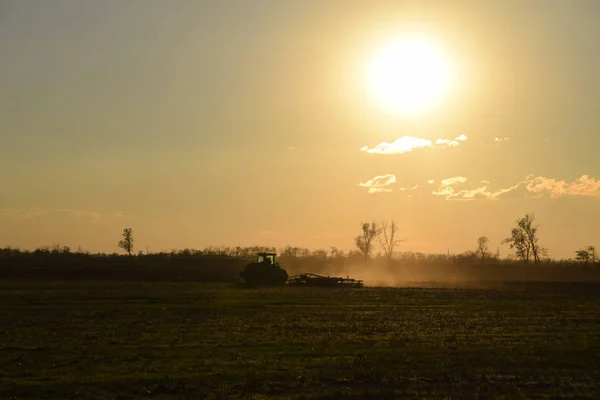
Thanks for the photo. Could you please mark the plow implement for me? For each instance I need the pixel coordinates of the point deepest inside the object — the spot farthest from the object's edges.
(309, 279)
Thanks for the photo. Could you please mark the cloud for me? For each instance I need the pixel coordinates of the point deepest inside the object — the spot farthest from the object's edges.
(481, 193)
(431, 181)
(582, 186)
(452, 143)
(443, 191)
(445, 188)
(453, 181)
(411, 188)
(513, 191)
(501, 139)
(379, 190)
(532, 185)
(406, 144)
(448, 190)
(471, 194)
(379, 183)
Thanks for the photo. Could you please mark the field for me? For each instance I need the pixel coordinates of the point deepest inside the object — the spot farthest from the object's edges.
(151, 340)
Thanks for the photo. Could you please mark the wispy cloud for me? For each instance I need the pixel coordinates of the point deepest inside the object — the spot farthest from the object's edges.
(453, 181)
(379, 183)
(532, 185)
(448, 189)
(410, 188)
(406, 144)
(456, 187)
(446, 185)
(482, 192)
(452, 143)
(582, 186)
(379, 190)
(501, 139)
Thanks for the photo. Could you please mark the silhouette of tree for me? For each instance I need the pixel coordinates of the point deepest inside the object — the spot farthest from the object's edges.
(335, 252)
(593, 254)
(290, 251)
(587, 255)
(524, 240)
(482, 248)
(518, 242)
(364, 242)
(127, 242)
(387, 239)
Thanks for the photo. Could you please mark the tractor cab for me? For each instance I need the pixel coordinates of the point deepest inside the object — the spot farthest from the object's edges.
(264, 271)
(266, 258)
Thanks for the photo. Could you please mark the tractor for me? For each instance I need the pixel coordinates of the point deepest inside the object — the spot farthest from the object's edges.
(264, 271)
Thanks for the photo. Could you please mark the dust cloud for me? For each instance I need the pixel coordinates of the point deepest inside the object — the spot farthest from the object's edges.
(447, 272)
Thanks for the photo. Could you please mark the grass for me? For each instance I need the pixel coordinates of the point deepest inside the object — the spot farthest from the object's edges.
(110, 340)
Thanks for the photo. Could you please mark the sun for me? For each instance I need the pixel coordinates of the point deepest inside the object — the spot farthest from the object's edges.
(410, 75)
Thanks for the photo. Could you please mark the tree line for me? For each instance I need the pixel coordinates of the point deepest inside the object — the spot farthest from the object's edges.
(383, 236)
(523, 240)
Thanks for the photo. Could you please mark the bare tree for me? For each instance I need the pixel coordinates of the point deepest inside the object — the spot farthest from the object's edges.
(387, 239)
(335, 252)
(525, 241)
(518, 242)
(592, 254)
(482, 248)
(364, 242)
(526, 224)
(587, 255)
(127, 242)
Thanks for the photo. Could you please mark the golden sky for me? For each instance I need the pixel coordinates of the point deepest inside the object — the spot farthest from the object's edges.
(238, 123)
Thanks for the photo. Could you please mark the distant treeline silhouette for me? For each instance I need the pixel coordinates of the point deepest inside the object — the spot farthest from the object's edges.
(223, 264)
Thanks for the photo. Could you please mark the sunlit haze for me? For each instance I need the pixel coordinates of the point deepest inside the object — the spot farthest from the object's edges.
(269, 122)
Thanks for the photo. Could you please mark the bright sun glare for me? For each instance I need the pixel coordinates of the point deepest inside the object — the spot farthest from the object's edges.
(409, 75)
